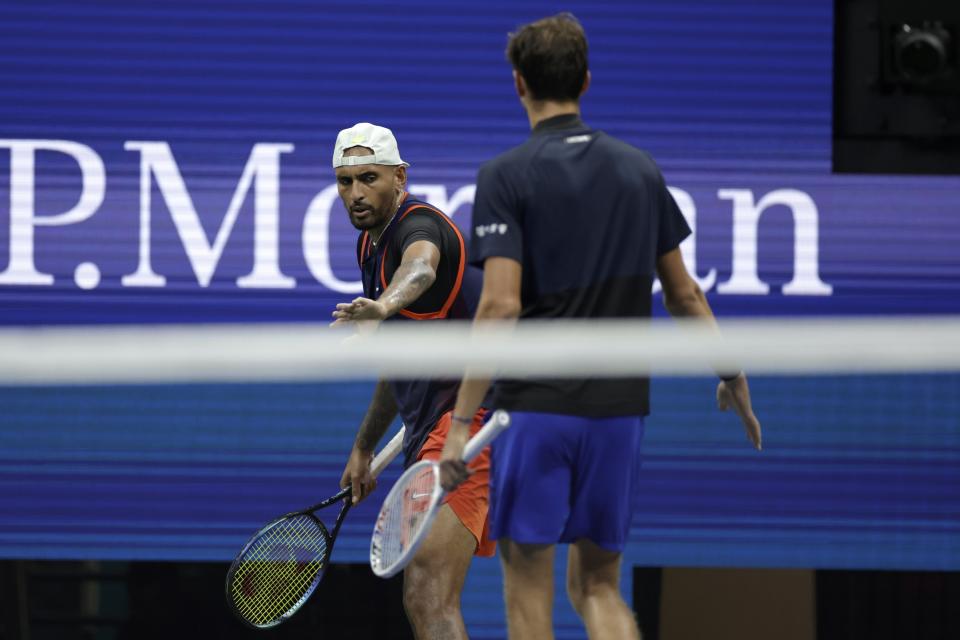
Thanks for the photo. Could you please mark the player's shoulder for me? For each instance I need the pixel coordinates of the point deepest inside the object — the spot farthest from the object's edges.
(506, 164)
(414, 206)
(626, 151)
(631, 160)
(417, 214)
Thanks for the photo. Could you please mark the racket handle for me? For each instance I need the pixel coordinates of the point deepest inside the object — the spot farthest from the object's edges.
(496, 424)
(388, 453)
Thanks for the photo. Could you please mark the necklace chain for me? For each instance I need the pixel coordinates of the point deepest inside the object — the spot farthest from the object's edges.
(396, 210)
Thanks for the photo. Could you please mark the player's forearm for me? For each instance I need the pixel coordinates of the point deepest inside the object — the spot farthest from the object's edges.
(471, 394)
(691, 303)
(410, 281)
(380, 413)
(499, 309)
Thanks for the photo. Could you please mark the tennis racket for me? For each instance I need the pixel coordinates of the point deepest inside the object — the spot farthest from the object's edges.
(280, 566)
(412, 504)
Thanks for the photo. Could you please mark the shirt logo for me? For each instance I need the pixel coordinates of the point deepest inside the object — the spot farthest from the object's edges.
(575, 139)
(490, 229)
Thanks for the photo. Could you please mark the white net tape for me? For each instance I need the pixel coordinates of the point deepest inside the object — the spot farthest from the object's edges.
(290, 352)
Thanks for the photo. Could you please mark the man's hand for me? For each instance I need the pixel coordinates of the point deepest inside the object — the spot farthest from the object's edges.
(735, 393)
(356, 475)
(453, 470)
(361, 310)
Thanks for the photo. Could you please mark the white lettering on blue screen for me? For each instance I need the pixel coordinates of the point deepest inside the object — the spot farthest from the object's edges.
(260, 182)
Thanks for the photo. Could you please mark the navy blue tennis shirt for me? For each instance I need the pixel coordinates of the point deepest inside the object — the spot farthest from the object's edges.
(453, 296)
(587, 216)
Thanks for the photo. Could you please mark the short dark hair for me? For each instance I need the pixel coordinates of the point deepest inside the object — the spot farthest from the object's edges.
(551, 56)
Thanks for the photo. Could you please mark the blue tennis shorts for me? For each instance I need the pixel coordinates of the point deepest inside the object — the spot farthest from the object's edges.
(558, 478)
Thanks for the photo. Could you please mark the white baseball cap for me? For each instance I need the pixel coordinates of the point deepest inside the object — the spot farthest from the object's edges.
(364, 134)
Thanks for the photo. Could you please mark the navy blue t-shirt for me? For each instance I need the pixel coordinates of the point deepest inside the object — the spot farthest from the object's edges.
(453, 295)
(587, 216)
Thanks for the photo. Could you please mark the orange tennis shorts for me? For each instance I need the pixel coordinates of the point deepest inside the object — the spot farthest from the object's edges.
(471, 500)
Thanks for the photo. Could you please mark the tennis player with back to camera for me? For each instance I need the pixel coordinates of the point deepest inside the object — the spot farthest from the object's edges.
(566, 469)
(413, 265)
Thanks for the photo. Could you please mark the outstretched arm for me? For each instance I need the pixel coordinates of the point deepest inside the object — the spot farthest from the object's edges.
(683, 298)
(380, 413)
(417, 273)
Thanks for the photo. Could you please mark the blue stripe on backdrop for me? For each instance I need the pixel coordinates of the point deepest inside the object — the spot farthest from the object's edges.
(860, 472)
(187, 471)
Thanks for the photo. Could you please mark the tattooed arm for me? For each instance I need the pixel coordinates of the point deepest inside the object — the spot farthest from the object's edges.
(416, 273)
(380, 413)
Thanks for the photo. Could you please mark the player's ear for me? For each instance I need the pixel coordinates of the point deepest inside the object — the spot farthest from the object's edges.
(586, 84)
(400, 176)
(519, 84)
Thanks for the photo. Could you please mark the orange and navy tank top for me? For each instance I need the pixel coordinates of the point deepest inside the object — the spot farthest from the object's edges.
(453, 296)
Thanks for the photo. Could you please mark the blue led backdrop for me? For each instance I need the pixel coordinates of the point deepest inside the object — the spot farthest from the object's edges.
(170, 162)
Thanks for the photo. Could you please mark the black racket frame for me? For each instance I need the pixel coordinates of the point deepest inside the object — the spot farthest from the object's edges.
(330, 537)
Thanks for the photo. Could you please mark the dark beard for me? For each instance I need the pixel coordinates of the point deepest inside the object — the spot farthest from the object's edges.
(371, 221)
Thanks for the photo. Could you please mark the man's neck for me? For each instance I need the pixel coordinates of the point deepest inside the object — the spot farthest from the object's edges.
(540, 110)
(377, 232)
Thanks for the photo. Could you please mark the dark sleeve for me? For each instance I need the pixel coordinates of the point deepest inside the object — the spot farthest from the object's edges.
(497, 214)
(673, 227)
(419, 224)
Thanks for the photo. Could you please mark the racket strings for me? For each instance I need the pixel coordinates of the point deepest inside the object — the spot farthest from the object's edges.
(277, 571)
(402, 518)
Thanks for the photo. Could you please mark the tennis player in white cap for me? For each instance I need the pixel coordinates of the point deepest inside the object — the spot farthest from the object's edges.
(412, 259)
